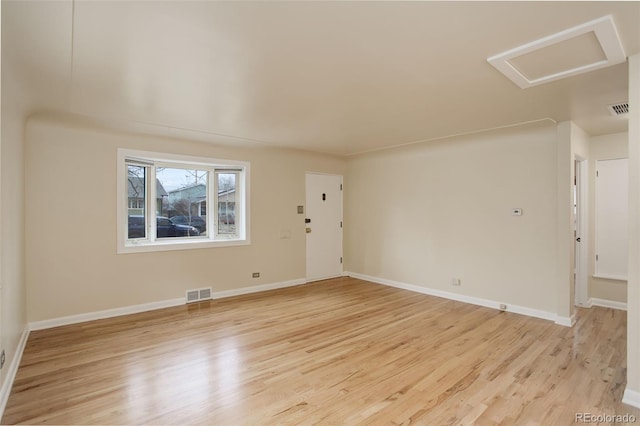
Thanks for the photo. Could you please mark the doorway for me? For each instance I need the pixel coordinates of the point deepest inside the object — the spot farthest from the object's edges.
(323, 226)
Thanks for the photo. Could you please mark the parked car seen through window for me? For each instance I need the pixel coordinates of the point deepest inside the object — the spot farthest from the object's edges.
(164, 228)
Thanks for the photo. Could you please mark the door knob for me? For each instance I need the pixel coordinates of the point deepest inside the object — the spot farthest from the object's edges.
(578, 239)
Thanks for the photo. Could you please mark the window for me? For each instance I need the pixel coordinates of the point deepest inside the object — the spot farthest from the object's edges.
(226, 201)
(163, 199)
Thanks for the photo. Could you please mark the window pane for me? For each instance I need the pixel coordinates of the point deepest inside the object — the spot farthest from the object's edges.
(136, 192)
(227, 199)
(181, 194)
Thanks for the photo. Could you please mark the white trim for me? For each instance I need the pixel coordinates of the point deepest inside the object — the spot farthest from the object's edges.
(611, 277)
(134, 309)
(587, 304)
(107, 313)
(631, 397)
(257, 288)
(180, 244)
(151, 194)
(605, 31)
(581, 285)
(522, 310)
(13, 369)
(566, 321)
(609, 304)
(328, 277)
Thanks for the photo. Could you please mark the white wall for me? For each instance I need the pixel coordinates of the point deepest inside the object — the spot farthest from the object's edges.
(426, 213)
(632, 392)
(34, 39)
(12, 281)
(572, 143)
(72, 266)
(603, 147)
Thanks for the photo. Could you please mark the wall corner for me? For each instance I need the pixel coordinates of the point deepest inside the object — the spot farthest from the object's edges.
(633, 284)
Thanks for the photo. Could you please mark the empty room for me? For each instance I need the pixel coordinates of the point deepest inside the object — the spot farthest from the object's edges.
(230, 212)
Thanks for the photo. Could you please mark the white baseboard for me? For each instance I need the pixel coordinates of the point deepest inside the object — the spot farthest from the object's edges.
(326, 277)
(108, 313)
(631, 398)
(5, 391)
(134, 309)
(566, 321)
(257, 288)
(522, 310)
(587, 304)
(609, 304)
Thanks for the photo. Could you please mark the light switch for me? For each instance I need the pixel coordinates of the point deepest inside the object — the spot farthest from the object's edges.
(516, 211)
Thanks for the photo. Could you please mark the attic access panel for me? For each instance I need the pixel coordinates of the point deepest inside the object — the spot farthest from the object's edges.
(586, 47)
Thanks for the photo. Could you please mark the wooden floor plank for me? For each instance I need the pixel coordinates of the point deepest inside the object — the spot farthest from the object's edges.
(332, 352)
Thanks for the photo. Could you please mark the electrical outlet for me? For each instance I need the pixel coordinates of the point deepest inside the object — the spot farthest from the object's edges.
(455, 281)
(503, 307)
(256, 275)
(2, 358)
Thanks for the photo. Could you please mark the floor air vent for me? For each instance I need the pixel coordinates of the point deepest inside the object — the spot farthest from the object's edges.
(619, 109)
(199, 294)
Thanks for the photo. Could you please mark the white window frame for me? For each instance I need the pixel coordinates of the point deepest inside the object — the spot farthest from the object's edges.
(155, 159)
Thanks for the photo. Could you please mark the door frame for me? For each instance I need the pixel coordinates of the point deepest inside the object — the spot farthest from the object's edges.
(581, 296)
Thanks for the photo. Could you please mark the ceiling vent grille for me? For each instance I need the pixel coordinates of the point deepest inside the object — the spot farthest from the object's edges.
(199, 294)
(619, 109)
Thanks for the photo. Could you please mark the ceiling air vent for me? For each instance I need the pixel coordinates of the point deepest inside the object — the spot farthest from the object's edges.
(619, 109)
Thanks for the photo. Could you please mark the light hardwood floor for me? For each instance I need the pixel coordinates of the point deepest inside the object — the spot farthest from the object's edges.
(331, 352)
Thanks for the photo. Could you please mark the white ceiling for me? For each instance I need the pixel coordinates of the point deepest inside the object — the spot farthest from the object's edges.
(335, 77)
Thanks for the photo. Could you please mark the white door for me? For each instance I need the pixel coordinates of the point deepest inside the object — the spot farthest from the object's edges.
(612, 219)
(323, 226)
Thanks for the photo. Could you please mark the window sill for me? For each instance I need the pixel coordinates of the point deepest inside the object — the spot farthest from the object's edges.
(145, 247)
